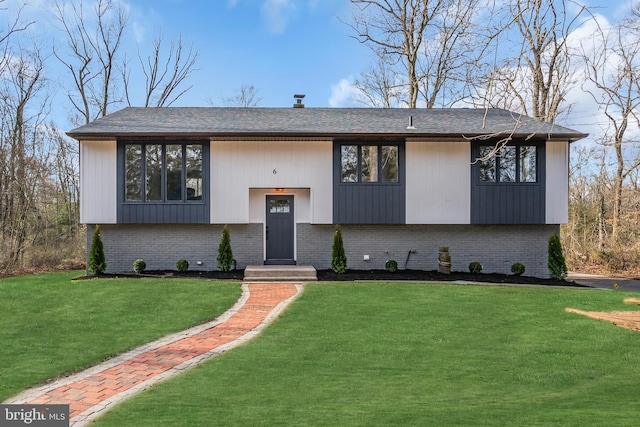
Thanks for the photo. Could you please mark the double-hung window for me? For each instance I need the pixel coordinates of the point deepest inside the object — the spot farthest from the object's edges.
(163, 173)
(368, 163)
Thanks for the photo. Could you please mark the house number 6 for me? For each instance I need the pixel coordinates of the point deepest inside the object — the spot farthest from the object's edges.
(275, 171)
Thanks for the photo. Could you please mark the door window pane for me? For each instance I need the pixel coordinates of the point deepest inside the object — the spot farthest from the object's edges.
(369, 166)
(349, 163)
(279, 206)
(508, 164)
(488, 166)
(133, 173)
(528, 163)
(174, 172)
(389, 163)
(194, 172)
(153, 170)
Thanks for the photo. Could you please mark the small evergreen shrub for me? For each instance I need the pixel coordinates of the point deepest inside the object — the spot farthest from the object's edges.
(391, 266)
(225, 254)
(338, 257)
(139, 266)
(556, 263)
(475, 267)
(182, 265)
(517, 268)
(97, 261)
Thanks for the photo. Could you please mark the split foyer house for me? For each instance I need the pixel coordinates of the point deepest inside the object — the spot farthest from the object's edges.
(163, 182)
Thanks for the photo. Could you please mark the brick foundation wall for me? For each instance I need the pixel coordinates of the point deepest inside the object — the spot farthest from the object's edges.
(412, 246)
(161, 246)
(416, 246)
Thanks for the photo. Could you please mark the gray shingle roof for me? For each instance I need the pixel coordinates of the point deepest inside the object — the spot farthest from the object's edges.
(330, 122)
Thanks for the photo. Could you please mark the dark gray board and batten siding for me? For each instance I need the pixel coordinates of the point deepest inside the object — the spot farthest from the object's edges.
(369, 203)
(509, 203)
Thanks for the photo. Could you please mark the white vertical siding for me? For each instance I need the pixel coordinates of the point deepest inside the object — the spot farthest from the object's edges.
(557, 184)
(438, 182)
(238, 166)
(98, 192)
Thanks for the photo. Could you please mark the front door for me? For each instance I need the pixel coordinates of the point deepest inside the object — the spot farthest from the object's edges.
(280, 230)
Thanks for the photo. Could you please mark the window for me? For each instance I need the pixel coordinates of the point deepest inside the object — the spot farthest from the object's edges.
(511, 164)
(369, 163)
(163, 172)
(279, 206)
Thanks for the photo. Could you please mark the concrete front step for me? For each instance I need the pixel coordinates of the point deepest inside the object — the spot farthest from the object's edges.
(279, 273)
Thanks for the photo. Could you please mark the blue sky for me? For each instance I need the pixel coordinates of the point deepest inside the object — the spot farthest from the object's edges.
(281, 47)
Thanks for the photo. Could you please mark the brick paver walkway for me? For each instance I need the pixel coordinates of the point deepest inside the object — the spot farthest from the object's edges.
(91, 392)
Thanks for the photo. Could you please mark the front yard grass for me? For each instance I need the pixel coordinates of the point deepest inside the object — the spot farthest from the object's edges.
(414, 354)
(51, 325)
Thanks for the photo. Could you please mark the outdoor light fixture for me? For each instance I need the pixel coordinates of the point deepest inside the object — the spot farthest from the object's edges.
(279, 190)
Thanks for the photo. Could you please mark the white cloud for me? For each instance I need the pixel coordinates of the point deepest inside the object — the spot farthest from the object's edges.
(342, 93)
(277, 14)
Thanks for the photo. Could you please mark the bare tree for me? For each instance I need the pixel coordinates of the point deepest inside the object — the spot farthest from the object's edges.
(394, 30)
(451, 56)
(65, 171)
(15, 25)
(164, 73)
(613, 77)
(94, 41)
(537, 78)
(23, 159)
(246, 96)
(380, 87)
(425, 49)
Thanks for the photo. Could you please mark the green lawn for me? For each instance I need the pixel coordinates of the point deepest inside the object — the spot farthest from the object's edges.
(51, 325)
(414, 354)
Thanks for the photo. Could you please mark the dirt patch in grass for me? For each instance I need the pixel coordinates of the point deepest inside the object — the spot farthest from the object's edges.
(626, 319)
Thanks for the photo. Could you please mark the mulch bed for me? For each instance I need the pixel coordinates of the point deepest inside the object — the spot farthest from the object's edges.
(433, 275)
(362, 275)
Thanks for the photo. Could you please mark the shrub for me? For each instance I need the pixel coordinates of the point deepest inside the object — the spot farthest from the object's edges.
(475, 267)
(338, 257)
(556, 263)
(139, 266)
(97, 261)
(517, 268)
(225, 254)
(391, 266)
(182, 265)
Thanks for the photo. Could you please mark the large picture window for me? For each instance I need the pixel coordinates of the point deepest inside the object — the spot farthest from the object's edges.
(369, 163)
(163, 172)
(511, 164)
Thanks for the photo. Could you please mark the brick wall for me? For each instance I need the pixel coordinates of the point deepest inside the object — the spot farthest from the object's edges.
(412, 246)
(161, 246)
(416, 246)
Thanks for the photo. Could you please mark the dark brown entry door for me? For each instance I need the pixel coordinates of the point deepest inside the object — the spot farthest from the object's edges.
(280, 230)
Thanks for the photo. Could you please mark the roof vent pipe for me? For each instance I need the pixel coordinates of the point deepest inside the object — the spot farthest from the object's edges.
(298, 103)
(411, 126)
